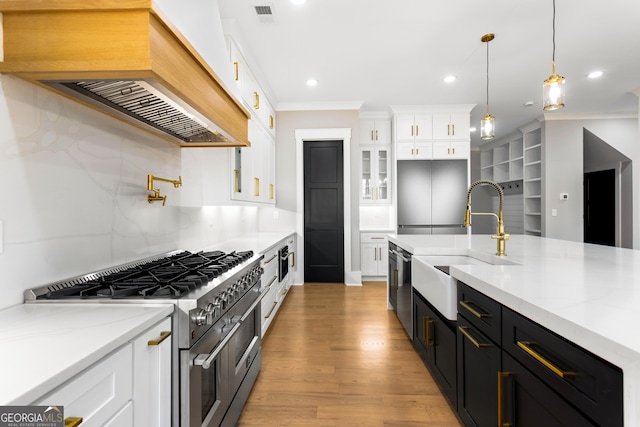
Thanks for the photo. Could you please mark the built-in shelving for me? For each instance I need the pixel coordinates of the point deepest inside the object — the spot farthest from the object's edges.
(519, 158)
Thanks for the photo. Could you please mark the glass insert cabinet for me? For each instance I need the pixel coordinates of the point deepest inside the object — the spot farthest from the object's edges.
(375, 175)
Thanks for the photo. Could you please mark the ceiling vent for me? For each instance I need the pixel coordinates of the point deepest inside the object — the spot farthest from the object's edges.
(264, 13)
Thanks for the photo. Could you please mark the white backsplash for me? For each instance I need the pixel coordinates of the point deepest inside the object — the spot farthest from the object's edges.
(73, 194)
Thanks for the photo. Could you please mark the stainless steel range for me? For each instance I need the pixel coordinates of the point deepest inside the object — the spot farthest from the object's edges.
(216, 323)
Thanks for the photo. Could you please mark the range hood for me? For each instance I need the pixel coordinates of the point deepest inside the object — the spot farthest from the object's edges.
(125, 59)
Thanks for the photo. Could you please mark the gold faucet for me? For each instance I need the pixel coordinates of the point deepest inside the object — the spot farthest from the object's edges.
(501, 236)
(156, 197)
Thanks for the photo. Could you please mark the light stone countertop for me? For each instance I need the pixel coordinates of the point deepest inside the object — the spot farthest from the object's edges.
(589, 294)
(44, 345)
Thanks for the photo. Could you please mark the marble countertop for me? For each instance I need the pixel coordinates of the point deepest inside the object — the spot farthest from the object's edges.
(44, 345)
(589, 294)
(259, 242)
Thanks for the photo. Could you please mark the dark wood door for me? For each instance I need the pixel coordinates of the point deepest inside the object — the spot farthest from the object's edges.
(323, 212)
(600, 207)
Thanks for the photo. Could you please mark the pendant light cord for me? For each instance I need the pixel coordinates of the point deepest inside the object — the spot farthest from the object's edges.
(488, 76)
(553, 56)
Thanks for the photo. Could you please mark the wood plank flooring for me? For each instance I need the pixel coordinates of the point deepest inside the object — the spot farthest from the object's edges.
(335, 356)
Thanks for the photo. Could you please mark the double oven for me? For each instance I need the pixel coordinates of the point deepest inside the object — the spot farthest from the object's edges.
(216, 346)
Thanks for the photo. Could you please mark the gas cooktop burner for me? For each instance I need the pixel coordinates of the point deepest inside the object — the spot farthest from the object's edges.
(168, 277)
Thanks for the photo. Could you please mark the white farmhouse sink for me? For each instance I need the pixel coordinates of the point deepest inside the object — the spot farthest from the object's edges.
(437, 287)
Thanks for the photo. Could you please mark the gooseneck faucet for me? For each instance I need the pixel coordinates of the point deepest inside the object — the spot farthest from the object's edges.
(501, 236)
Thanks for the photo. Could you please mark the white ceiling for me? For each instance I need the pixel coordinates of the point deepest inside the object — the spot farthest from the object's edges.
(396, 52)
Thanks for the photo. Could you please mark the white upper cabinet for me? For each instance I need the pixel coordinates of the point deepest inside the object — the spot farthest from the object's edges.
(453, 127)
(432, 132)
(377, 132)
(413, 127)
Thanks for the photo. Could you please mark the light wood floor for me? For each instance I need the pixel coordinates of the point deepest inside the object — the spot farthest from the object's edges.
(335, 356)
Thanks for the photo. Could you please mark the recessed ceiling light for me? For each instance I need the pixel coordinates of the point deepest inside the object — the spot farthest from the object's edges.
(312, 82)
(529, 103)
(472, 129)
(449, 79)
(298, 1)
(594, 74)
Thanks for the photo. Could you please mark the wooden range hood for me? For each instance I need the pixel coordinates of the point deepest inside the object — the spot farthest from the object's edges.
(122, 58)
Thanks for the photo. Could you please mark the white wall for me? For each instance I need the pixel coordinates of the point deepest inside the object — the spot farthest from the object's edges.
(73, 195)
(563, 159)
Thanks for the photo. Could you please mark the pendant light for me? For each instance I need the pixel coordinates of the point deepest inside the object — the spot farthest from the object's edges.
(487, 125)
(553, 87)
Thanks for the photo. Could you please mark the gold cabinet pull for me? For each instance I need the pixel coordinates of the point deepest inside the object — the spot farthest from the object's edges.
(271, 122)
(372, 135)
(526, 346)
(449, 151)
(271, 311)
(412, 151)
(466, 333)
(448, 129)
(453, 151)
(72, 421)
(271, 191)
(293, 259)
(417, 151)
(411, 130)
(395, 280)
(453, 129)
(501, 377)
(467, 305)
(417, 130)
(270, 259)
(236, 172)
(163, 336)
(426, 327)
(257, 182)
(256, 103)
(376, 135)
(235, 65)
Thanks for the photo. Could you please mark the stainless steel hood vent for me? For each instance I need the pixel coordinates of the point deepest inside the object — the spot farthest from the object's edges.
(147, 104)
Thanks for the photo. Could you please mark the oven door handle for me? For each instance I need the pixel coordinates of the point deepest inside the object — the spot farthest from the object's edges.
(205, 360)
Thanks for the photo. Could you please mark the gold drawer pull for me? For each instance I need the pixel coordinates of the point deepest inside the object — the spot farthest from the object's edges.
(257, 182)
(526, 346)
(271, 192)
(465, 332)
(271, 122)
(270, 259)
(271, 311)
(467, 305)
(293, 259)
(426, 327)
(501, 376)
(72, 421)
(395, 280)
(163, 336)
(236, 173)
(235, 65)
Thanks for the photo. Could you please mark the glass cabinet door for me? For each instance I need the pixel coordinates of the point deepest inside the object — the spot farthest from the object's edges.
(375, 172)
(366, 165)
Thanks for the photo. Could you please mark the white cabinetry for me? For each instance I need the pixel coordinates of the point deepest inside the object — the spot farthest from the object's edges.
(375, 160)
(453, 126)
(219, 176)
(432, 132)
(413, 127)
(373, 254)
(375, 175)
(275, 289)
(130, 387)
(151, 377)
(375, 132)
(533, 188)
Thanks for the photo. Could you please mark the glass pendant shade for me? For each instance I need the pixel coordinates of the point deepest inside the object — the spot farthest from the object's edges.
(553, 91)
(487, 127)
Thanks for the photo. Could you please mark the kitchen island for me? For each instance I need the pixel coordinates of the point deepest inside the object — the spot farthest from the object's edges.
(588, 294)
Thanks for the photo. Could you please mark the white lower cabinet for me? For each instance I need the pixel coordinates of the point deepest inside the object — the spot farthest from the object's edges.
(98, 394)
(129, 387)
(373, 254)
(152, 376)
